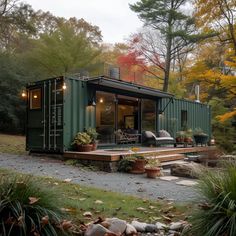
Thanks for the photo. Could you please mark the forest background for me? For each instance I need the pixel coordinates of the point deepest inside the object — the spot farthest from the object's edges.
(177, 49)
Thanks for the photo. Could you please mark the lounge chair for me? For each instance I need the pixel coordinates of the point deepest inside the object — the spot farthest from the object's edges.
(150, 139)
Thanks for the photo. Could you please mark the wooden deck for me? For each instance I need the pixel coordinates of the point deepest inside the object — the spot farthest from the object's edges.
(164, 154)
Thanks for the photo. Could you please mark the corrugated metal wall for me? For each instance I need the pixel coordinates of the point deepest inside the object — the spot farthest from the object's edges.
(77, 114)
(198, 116)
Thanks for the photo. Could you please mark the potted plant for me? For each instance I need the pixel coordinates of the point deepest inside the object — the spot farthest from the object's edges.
(138, 164)
(152, 168)
(83, 142)
(188, 136)
(93, 135)
(200, 137)
(180, 136)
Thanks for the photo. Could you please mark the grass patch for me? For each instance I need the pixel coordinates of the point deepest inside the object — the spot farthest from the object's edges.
(79, 199)
(13, 144)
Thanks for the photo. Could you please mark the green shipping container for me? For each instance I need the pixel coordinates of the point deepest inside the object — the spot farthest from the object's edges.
(60, 107)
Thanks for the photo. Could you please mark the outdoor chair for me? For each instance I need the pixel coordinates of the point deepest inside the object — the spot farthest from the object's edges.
(122, 137)
(150, 139)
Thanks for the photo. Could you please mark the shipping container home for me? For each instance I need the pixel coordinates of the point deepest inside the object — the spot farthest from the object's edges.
(60, 107)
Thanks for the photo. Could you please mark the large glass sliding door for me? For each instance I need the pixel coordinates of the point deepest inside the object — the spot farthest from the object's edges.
(128, 114)
(105, 116)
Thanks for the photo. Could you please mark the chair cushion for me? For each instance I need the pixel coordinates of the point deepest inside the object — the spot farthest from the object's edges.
(163, 133)
(164, 139)
(149, 134)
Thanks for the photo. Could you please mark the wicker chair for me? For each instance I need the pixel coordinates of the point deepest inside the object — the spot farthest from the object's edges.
(150, 139)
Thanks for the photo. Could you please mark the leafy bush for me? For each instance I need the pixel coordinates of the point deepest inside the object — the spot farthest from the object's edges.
(217, 215)
(92, 133)
(82, 138)
(28, 209)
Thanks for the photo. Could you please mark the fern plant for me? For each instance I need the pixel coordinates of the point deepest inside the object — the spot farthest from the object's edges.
(28, 209)
(217, 215)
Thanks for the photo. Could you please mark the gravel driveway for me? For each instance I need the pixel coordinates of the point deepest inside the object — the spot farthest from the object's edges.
(137, 185)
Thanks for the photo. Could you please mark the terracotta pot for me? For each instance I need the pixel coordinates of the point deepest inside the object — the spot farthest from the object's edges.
(138, 166)
(153, 172)
(188, 140)
(179, 140)
(84, 148)
(94, 145)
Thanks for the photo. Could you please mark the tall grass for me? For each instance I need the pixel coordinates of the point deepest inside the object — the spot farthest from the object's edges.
(217, 214)
(27, 208)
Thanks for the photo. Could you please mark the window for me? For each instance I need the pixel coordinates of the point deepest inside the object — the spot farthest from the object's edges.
(35, 99)
(184, 119)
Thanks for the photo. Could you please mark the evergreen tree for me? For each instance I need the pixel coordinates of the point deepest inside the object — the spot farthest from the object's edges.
(176, 29)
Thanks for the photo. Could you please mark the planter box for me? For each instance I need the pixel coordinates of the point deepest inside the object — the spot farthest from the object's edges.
(200, 139)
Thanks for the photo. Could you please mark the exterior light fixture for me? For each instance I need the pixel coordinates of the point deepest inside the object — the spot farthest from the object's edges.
(64, 86)
(35, 96)
(92, 103)
(23, 94)
(101, 100)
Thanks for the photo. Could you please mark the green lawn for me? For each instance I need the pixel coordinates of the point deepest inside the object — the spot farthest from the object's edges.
(79, 199)
(13, 144)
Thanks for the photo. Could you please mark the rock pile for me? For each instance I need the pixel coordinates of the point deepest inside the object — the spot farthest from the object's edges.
(118, 227)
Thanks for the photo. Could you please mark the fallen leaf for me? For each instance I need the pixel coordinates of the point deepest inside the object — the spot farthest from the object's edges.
(67, 180)
(141, 209)
(45, 220)
(87, 214)
(33, 200)
(167, 218)
(82, 199)
(98, 202)
(68, 209)
(66, 224)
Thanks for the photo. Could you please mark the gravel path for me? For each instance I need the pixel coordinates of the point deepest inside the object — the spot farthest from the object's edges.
(137, 185)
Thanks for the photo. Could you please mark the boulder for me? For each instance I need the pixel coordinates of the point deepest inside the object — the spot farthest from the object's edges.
(176, 225)
(116, 225)
(161, 226)
(188, 170)
(150, 228)
(130, 230)
(139, 226)
(98, 230)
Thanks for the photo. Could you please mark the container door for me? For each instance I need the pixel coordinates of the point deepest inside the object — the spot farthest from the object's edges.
(35, 125)
(45, 117)
(54, 116)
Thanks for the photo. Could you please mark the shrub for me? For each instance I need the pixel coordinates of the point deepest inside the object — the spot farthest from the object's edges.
(26, 208)
(217, 215)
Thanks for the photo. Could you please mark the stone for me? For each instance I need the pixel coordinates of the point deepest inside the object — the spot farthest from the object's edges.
(176, 225)
(187, 183)
(188, 170)
(97, 230)
(161, 226)
(173, 232)
(116, 225)
(139, 226)
(130, 230)
(151, 228)
(168, 178)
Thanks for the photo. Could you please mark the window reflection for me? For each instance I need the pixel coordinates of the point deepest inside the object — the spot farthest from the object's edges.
(105, 116)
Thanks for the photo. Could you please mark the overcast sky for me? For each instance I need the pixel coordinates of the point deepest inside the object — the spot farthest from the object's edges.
(114, 17)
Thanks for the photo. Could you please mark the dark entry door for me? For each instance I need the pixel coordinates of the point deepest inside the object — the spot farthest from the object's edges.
(45, 117)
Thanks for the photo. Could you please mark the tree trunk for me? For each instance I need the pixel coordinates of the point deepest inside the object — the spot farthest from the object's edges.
(167, 64)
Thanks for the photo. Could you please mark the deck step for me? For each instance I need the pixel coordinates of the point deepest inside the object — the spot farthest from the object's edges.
(171, 157)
